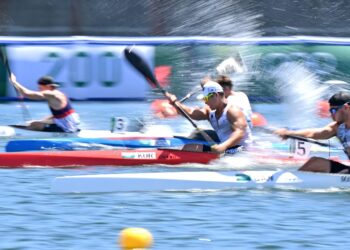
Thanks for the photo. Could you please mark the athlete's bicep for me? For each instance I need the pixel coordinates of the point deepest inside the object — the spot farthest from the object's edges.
(326, 132)
(237, 119)
(331, 129)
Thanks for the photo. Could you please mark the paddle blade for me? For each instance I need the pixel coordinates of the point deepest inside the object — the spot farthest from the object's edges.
(230, 65)
(141, 66)
(163, 109)
(258, 120)
(4, 60)
(323, 109)
(162, 73)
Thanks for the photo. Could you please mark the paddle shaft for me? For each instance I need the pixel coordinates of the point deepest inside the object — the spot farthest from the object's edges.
(228, 66)
(139, 64)
(186, 97)
(300, 138)
(4, 59)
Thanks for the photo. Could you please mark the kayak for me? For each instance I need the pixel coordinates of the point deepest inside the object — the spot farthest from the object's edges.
(21, 131)
(9, 132)
(134, 140)
(122, 140)
(126, 157)
(200, 180)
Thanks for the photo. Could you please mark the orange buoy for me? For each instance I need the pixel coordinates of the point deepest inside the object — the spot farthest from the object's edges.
(258, 120)
(163, 109)
(323, 109)
(135, 238)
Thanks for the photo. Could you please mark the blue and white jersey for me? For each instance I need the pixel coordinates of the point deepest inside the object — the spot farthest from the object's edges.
(223, 127)
(343, 134)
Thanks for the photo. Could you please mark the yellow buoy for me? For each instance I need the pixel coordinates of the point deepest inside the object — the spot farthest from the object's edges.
(135, 238)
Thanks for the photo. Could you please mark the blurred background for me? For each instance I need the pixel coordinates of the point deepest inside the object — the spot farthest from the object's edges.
(174, 18)
(179, 66)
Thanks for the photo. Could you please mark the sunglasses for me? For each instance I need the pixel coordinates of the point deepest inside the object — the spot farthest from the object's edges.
(207, 97)
(335, 109)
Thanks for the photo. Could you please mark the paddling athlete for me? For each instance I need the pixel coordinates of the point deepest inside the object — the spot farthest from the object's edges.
(228, 121)
(340, 127)
(63, 118)
(237, 98)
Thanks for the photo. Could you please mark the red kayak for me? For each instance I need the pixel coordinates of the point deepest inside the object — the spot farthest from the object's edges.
(127, 157)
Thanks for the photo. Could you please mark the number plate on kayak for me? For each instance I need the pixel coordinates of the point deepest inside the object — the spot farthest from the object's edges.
(139, 155)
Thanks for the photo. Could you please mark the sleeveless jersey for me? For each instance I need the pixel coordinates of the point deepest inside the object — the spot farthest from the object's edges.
(63, 112)
(223, 128)
(66, 118)
(343, 134)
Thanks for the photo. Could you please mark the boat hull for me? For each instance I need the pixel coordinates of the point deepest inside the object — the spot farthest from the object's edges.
(103, 158)
(126, 141)
(201, 180)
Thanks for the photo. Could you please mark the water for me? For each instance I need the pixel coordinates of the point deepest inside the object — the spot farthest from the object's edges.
(34, 218)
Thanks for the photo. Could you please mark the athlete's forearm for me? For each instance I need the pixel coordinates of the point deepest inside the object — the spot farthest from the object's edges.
(314, 133)
(35, 95)
(194, 113)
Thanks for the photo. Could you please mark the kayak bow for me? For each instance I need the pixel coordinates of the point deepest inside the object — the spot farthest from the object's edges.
(203, 180)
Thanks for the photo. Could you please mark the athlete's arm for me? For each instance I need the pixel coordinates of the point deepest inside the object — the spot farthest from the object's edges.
(34, 95)
(194, 113)
(325, 132)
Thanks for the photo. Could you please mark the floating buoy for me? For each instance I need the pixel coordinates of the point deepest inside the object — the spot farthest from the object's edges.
(258, 120)
(135, 238)
(163, 109)
(323, 109)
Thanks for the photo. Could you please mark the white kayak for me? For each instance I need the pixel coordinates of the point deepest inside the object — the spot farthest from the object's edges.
(19, 132)
(201, 180)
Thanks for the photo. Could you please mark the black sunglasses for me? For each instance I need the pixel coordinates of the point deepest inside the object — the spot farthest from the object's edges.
(335, 109)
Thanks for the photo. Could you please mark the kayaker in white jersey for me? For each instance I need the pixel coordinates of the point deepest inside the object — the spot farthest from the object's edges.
(228, 121)
(237, 98)
(340, 127)
(63, 118)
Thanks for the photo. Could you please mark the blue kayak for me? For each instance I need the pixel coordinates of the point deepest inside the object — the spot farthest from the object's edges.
(98, 143)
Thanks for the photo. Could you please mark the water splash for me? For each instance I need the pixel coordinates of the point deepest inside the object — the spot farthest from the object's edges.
(234, 18)
(300, 90)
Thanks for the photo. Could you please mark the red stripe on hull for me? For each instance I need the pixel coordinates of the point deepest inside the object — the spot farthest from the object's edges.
(102, 158)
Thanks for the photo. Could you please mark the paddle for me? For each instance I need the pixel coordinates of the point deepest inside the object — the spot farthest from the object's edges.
(25, 111)
(226, 67)
(193, 92)
(141, 66)
(300, 138)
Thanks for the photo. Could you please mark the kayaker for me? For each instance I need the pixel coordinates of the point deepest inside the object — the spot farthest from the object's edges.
(63, 118)
(340, 127)
(228, 121)
(238, 98)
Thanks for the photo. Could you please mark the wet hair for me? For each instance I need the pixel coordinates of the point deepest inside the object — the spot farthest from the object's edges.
(224, 81)
(339, 98)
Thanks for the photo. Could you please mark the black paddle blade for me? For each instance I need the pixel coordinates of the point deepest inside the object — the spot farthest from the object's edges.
(141, 65)
(4, 60)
